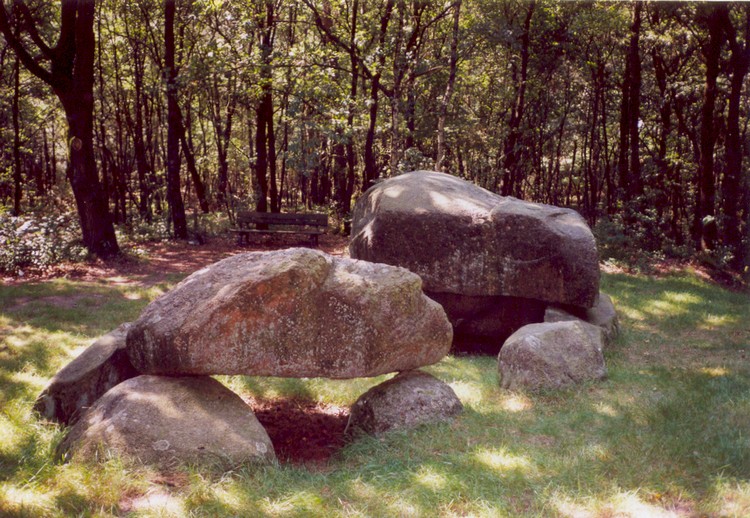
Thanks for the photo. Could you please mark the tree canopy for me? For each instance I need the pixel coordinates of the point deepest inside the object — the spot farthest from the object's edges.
(635, 114)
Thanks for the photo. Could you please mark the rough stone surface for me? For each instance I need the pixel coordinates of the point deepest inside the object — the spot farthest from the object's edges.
(164, 421)
(602, 315)
(463, 239)
(79, 384)
(291, 313)
(551, 356)
(482, 323)
(408, 400)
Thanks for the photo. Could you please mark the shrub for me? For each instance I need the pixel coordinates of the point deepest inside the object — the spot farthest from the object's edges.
(37, 242)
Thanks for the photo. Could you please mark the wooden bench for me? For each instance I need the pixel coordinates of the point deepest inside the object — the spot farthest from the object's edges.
(308, 224)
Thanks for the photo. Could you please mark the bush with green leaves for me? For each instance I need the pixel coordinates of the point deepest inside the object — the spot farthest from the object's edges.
(37, 242)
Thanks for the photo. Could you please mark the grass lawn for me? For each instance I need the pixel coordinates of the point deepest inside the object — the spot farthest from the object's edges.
(667, 434)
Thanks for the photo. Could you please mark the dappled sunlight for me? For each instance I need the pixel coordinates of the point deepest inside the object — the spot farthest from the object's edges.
(157, 502)
(681, 297)
(607, 410)
(502, 461)
(711, 322)
(468, 393)
(429, 478)
(715, 372)
(731, 498)
(30, 378)
(516, 403)
(24, 501)
(622, 505)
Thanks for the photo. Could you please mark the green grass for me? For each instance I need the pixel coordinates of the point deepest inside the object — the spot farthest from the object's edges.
(667, 432)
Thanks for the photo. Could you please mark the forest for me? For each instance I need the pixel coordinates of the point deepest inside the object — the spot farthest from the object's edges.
(159, 116)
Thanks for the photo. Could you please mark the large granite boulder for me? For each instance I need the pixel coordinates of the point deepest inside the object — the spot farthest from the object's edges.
(602, 315)
(551, 356)
(408, 400)
(291, 313)
(465, 240)
(164, 421)
(76, 386)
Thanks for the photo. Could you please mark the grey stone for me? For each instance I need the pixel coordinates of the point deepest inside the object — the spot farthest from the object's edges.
(551, 356)
(602, 315)
(163, 421)
(80, 383)
(291, 313)
(408, 400)
(465, 240)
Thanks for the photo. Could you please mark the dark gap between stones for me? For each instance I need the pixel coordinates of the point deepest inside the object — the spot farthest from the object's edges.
(302, 432)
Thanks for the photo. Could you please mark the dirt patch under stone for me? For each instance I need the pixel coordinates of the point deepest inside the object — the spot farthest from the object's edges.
(302, 432)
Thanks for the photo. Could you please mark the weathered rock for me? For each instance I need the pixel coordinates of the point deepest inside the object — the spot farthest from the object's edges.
(408, 400)
(602, 315)
(482, 323)
(551, 356)
(465, 240)
(164, 421)
(292, 313)
(96, 370)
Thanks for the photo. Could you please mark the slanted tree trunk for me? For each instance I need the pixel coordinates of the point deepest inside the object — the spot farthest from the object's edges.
(71, 77)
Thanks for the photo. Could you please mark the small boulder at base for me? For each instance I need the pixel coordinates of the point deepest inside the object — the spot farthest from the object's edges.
(551, 356)
(465, 240)
(80, 383)
(602, 315)
(408, 400)
(291, 313)
(162, 421)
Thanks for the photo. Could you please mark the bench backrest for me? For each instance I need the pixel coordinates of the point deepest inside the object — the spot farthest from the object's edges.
(281, 218)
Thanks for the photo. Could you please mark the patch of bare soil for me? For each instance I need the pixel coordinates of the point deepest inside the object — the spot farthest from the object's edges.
(302, 432)
(159, 259)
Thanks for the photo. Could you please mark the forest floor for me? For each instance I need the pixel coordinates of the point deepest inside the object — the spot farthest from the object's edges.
(664, 435)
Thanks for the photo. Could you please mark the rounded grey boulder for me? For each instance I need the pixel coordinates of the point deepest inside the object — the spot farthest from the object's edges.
(551, 356)
(291, 313)
(76, 386)
(463, 239)
(166, 421)
(602, 314)
(408, 400)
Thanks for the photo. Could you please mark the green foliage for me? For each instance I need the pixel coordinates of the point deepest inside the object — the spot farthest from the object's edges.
(36, 242)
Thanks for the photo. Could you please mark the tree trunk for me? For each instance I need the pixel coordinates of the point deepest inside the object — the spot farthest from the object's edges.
(445, 101)
(371, 170)
(511, 182)
(704, 225)
(17, 177)
(635, 180)
(71, 77)
(732, 183)
(174, 195)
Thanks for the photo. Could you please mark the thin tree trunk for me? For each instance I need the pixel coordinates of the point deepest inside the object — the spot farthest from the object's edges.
(17, 177)
(445, 101)
(732, 183)
(704, 225)
(174, 194)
